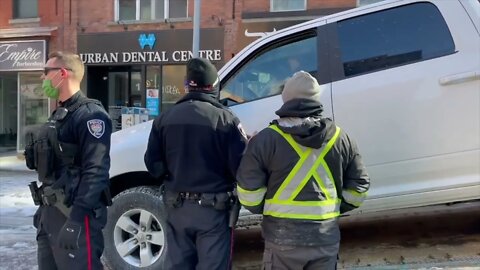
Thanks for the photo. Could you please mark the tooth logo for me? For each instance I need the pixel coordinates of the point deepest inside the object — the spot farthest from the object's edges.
(146, 40)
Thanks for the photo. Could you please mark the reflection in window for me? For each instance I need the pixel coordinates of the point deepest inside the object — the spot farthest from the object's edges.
(393, 37)
(265, 75)
(173, 85)
(23, 9)
(145, 10)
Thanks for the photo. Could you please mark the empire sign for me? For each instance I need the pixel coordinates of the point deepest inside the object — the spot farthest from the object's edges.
(22, 55)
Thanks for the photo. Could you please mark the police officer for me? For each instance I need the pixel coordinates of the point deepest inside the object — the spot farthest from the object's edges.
(71, 154)
(301, 172)
(197, 146)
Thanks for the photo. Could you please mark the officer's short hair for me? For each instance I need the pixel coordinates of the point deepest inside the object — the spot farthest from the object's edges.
(70, 61)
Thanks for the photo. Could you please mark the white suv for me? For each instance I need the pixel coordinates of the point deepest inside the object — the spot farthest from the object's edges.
(404, 80)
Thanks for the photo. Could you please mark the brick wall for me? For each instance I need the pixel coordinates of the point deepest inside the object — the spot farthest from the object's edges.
(72, 17)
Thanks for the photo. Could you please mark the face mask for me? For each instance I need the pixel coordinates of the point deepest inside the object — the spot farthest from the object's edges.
(49, 90)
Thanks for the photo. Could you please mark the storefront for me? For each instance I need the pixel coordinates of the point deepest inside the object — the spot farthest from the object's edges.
(142, 69)
(23, 106)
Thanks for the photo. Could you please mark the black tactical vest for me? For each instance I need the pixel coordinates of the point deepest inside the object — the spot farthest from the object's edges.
(46, 153)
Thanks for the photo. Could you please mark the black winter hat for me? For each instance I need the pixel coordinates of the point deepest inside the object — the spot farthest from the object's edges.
(201, 75)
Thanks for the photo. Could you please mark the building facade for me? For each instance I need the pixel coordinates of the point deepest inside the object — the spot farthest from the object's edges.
(135, 51)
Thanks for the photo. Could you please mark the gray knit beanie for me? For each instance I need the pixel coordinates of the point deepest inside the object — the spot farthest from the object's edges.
(301, 85)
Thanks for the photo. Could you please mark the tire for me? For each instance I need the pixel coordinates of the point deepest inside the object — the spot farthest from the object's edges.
(135, 230)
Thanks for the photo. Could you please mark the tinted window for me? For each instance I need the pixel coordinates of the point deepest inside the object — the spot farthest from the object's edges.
(393, 37)
(265, 74)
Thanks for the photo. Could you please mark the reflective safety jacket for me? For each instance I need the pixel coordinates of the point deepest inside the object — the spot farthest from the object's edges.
(301, 178)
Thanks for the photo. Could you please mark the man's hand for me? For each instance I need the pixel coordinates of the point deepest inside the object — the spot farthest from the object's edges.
(69, 235)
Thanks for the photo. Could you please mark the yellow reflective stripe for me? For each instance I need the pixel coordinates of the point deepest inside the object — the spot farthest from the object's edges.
(302, 216)
(289, 139)
(353, 197)
(251, 197)
(303, 203)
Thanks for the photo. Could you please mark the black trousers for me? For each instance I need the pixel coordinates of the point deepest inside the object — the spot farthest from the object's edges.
(49, 220)
(198, 237)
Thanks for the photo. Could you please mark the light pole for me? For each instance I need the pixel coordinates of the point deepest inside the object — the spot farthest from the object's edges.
(196, 28)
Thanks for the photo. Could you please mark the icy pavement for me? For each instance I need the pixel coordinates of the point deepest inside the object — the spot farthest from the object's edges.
(18, 249)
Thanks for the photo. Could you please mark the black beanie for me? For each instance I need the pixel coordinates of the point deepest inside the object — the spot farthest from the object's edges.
(201, 75)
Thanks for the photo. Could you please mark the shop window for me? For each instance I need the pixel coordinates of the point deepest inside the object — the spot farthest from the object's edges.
(173, 85)
(8, 111)
(287, 5)
(265, 74)
(23, 9)
(146, 10)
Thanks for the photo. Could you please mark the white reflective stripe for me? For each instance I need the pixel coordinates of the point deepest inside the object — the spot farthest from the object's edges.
(353, 197)
(251, 197)
(304, 210)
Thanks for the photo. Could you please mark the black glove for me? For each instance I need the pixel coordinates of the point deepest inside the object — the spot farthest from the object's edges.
(69, 235)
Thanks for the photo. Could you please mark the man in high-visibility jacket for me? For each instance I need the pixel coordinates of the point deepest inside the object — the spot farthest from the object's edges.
(301, 172)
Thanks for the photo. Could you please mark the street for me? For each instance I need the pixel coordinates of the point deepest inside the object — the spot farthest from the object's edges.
(427, 238)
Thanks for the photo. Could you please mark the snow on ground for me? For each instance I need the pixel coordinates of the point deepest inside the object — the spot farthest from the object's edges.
(18, 249)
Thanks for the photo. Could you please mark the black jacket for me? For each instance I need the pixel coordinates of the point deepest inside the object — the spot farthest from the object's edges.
(269, 158)
(90, 128)
(196, 145)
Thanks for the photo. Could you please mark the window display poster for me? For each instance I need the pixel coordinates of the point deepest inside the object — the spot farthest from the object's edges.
(153, 101)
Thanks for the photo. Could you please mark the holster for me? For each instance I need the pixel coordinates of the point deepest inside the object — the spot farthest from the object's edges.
(234, 211)
(172, 199)
(35, 192)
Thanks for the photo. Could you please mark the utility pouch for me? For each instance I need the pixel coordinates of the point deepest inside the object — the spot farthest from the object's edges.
(44, 156)
(172, 199)
(222, 201)
(29, 154)
(207, 200)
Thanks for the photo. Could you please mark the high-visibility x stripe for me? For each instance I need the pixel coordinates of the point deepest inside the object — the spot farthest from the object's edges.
(311, 164)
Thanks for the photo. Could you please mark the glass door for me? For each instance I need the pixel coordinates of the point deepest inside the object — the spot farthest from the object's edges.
(34, 106)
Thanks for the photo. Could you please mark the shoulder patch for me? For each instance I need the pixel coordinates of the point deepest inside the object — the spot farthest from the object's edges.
(96, 127)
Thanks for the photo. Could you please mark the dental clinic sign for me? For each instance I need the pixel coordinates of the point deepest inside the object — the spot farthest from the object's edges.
(152, 47)
(22, 55)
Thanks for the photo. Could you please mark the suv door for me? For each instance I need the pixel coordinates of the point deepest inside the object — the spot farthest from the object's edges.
(417, 127)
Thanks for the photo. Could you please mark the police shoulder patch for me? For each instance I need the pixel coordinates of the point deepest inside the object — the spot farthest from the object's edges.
(96, 127)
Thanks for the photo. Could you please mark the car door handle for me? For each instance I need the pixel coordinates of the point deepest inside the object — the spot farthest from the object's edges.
(460, 78)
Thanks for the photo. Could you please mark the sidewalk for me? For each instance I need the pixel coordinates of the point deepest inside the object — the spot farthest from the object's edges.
(13, 162)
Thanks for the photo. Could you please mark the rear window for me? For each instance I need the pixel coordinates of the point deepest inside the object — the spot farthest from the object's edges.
(393, 37)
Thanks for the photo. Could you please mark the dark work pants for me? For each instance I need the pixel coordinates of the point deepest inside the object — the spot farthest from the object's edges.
(198, 237)
(282, 257)
(49, 220)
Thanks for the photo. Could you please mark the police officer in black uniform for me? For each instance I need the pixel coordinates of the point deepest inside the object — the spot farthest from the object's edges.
(71, 154)
(196, 146)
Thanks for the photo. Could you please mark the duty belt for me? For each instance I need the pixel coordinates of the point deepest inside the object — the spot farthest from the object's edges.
(190, 195)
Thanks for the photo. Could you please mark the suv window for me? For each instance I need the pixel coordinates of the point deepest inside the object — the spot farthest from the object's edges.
(265, 74)
(393, 37)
